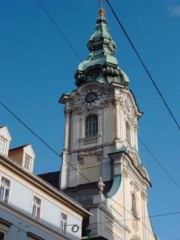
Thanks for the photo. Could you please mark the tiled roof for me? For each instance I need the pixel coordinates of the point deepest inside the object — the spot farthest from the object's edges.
(17, 148)
(52, 178)
(83, 193)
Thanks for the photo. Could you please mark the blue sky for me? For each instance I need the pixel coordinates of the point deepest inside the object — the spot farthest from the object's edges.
(37, 67)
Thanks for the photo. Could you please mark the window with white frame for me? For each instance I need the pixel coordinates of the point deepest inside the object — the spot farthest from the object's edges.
(64, 223)
(27, 163)
(91, 125)
(2, 145)
(128, 133)
(36, 210)
(4, 228)
(2, 235)
(5, 189)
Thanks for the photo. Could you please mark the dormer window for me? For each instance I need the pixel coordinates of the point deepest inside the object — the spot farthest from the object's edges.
(91, 125)
(2, 145)
(27, 163)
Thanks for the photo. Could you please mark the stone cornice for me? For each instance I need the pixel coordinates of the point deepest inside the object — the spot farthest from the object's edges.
(123, 153)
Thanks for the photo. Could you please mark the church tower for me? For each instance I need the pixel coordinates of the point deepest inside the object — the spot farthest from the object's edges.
(101, 167)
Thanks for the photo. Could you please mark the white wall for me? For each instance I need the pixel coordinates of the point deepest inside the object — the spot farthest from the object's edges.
(21, 199)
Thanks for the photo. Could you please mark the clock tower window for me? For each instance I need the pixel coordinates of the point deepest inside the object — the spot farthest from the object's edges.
(91, 125)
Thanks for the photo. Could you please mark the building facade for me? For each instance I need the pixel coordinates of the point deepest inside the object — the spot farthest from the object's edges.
(102, 168)
(30, 208)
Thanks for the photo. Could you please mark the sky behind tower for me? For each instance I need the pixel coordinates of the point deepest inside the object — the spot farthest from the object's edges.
(37, 66)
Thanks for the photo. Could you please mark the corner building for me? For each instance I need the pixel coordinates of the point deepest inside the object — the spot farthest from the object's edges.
(102, 169)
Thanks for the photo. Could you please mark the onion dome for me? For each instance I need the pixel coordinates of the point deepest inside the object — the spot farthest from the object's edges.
(101, 65)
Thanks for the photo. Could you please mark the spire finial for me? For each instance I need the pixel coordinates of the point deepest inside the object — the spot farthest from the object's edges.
(101, 12)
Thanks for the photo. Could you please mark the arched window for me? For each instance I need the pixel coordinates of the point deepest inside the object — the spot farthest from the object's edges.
(128, 133)
(91, 125)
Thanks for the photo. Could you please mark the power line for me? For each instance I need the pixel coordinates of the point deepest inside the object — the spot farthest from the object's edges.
(59, 30)
(158, 162)
(47, 145)
(131, 43)
(131, 214)
(147, 71)
(144, 66)
(153, 156)
(80, 60)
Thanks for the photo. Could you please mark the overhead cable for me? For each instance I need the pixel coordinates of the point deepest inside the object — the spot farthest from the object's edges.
(144, 66)
(59, 30)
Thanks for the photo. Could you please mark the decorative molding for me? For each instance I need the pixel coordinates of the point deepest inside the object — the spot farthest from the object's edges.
(135, 237)
(143, 195)
(33, 236)
(116, 100)
(105, 102)
(78, 109)
(98, 152)
(125, 173)
(135, 226)
(67, 112)
(4, 222)
(135, 186)
(81, 158)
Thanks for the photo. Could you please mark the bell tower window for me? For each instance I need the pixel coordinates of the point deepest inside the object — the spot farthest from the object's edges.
(91, 125)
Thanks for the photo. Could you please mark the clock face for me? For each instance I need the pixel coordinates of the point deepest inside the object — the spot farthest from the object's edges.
(90, 97)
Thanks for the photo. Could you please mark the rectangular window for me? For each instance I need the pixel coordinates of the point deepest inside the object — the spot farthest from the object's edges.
(5, 190)
(2, 235)
(91, 125)
(27, 162)
(36, 210)
(64, 223)
(2, 145)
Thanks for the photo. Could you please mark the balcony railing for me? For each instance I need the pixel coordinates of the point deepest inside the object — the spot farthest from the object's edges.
(90, 140)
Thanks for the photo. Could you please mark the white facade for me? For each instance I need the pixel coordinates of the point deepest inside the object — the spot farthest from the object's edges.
(101, 142)
(32, 209)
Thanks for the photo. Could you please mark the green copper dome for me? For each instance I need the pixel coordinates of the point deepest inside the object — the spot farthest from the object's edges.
(101, 65)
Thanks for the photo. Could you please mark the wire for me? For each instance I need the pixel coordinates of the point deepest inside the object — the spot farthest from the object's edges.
(153, 156)
(69, 44)
(25, 125)
(147, 71)
(59, 30)
(45, 143)
(131, 214)
(131, 43)
(158, 162)
(130, 219)
(144, 66)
